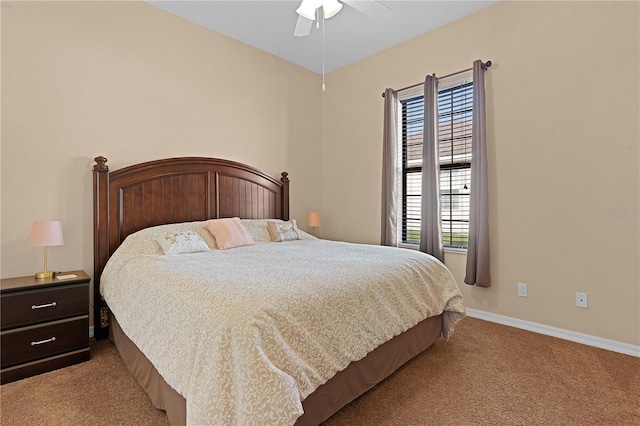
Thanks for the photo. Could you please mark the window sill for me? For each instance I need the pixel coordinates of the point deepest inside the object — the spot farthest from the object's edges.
(446, 249)
(455, 250)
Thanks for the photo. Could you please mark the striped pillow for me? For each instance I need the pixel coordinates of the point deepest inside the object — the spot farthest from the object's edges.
(229, 233)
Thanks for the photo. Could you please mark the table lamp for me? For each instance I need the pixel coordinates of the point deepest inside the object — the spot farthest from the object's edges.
(45, 234)
(313, 221)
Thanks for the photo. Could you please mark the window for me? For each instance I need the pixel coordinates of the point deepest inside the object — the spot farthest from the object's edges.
(455, 104)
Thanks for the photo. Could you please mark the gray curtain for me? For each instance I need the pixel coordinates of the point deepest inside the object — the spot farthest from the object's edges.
(430, 218)
(478, 271)
(389, 174)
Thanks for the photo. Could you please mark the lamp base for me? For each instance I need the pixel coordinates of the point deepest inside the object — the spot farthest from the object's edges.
(45, 275)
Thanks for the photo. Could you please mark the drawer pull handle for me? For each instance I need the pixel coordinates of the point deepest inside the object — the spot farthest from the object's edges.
(53, 339)
(46, 305)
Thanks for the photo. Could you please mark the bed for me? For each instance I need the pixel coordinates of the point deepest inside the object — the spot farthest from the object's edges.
(294, 335)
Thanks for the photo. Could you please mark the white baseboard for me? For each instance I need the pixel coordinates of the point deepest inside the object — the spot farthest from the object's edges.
(90, 331)
(585, 339)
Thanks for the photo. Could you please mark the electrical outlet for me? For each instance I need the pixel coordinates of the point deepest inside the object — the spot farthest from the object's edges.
(522, 290)
(581, 300)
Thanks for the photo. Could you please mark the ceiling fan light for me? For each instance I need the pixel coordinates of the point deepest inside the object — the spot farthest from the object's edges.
(331, 7)
(308, 8)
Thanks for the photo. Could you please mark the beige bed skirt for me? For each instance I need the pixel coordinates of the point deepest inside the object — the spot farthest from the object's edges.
(325, 401)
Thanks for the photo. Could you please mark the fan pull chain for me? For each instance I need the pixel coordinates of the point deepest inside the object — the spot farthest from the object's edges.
(323, 23)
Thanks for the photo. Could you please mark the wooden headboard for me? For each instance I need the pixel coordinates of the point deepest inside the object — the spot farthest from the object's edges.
(174, 190)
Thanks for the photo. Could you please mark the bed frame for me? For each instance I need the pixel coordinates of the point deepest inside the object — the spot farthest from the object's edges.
(174, 190)
(194, 189)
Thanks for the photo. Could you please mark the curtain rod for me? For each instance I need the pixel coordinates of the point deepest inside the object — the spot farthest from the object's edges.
(485, 65)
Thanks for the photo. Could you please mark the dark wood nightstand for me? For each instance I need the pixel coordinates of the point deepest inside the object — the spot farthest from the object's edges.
(44, 324)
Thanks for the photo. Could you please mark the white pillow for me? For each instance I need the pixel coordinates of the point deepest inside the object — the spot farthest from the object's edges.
(181, 242)
(258, 229)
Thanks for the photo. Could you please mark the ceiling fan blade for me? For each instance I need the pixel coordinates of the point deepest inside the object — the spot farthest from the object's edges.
(372, 8)
(303, 27)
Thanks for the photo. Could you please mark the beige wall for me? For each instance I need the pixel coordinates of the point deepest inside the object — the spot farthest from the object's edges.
(134, 83)
(563, 98)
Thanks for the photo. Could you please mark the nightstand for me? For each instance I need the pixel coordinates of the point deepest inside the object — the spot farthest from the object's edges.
(44, 324)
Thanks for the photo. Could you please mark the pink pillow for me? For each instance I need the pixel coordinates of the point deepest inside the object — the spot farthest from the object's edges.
(229, 233)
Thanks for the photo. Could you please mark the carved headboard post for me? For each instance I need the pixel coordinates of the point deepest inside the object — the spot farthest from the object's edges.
(285, 195)
(100, 239)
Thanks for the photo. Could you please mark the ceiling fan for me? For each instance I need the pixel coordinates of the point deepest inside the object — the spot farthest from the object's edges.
(309, 9)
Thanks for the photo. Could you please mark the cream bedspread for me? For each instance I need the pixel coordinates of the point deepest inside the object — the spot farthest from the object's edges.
(246, 334)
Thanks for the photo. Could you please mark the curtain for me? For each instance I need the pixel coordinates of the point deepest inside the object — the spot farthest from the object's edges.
(478, 250)
(430, 216)
(389, 174)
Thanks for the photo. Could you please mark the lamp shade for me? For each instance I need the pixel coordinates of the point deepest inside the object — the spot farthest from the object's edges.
(46, 233)
(313, 219)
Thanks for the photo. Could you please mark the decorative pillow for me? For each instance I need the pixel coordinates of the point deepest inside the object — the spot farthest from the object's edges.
(258, 229)
(229, 233)
(284, 231)
(181, 242)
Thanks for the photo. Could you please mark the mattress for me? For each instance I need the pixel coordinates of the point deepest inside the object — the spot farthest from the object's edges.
(245, 335)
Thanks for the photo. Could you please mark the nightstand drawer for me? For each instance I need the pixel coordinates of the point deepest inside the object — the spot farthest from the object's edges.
(29, 369)
(35, 306)
(35, 342)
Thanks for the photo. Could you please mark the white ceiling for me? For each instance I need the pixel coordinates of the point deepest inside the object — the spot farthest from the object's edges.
(349, 36)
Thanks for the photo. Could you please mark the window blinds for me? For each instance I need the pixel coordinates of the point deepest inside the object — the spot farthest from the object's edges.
(455, 105)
